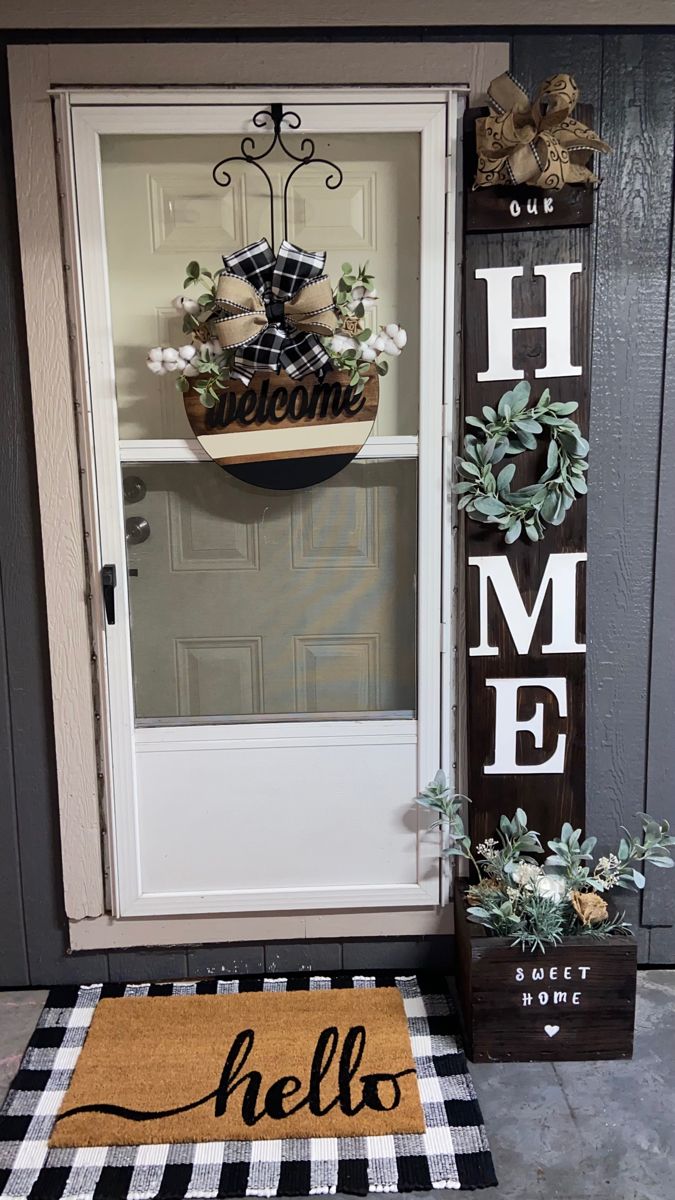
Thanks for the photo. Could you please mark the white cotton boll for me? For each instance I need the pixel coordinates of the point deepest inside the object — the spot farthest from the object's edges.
(185, 304)
(400, 338)
(181, 364)
(391, 330)
(171, 365)
(156, 354)
(390, 347)
(378, 343)
(369, 303)
(190, 370)
(157, 368)
(169, 354)
(187, 352)
(368, 354)
(339, 343)
(358, 292)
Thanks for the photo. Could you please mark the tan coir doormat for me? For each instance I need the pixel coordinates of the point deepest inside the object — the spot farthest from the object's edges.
(247, 1066)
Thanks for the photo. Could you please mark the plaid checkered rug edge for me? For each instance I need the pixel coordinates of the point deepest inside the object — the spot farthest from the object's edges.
(452, 1153)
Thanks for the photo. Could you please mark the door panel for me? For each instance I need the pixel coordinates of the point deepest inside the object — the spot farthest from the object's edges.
(327, 838)
(246, 602)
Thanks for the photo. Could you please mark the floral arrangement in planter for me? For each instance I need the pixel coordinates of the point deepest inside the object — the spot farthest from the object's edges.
(204, 365)
(538, 904)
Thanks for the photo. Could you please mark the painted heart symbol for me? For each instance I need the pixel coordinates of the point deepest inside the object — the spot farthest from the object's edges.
(551, 1030)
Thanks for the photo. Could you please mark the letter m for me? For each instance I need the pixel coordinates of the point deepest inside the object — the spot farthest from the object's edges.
(560, 574)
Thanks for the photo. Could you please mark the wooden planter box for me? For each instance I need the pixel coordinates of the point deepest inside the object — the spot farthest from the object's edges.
(577, 1001)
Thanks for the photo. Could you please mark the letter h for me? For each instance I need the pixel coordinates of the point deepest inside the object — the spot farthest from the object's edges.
(557, 321)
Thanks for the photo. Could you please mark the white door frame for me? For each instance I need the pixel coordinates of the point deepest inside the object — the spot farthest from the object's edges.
(59, 408)
(433, 114)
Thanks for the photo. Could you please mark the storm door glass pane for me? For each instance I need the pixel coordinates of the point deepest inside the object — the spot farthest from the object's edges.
(248, 603)
(162, 209)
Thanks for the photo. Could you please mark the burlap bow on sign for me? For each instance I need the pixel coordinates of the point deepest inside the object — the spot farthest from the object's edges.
(540, 144)
(272, 309)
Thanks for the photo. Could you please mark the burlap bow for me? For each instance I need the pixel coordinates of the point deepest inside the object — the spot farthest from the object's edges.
(271, 309)
(540, 144)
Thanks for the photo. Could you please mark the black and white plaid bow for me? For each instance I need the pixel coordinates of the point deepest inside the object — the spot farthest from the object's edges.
(273, 317)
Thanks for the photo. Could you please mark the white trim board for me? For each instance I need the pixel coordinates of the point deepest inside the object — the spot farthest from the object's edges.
(205, 64)
(106, 933)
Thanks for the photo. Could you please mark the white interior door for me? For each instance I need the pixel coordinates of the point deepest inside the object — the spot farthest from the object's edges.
(274, 671)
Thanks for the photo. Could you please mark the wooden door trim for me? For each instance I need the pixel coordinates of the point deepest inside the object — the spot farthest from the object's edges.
(57, 389)
(266, 14)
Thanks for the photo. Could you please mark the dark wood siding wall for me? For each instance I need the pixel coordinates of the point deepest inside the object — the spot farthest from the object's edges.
(630, 79)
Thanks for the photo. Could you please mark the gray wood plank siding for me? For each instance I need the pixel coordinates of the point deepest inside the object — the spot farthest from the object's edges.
(630, 79)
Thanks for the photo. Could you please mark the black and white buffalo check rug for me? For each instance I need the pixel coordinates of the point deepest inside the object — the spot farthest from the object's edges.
(452, 1152)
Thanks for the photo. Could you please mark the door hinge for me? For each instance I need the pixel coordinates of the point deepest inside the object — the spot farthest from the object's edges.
(445, 637)
(107, 883)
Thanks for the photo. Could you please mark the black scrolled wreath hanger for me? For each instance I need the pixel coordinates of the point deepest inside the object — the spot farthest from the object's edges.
(275, 117)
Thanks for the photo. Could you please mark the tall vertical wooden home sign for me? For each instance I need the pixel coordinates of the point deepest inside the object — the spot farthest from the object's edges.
(526, 315)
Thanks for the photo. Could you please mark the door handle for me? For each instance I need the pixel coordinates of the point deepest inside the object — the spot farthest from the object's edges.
(109, 583)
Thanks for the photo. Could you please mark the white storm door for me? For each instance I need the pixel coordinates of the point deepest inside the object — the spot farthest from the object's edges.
(273, 675)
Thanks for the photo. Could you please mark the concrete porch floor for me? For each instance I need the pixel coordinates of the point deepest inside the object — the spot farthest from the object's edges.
(558, 1131)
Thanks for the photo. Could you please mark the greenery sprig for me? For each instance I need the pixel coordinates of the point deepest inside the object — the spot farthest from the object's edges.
(351, 313)
(613, 870)
(349, 279)
(509, 431)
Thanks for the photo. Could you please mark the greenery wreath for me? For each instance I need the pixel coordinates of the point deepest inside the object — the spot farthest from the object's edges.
(511, 430)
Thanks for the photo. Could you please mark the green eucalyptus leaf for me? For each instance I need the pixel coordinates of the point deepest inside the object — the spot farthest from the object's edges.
(505, 477)
(526, 439)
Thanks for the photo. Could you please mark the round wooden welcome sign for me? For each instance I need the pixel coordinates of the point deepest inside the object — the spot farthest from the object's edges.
(283, 433)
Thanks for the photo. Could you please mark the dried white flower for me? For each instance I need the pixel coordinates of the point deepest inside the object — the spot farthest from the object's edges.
(487, 849)
(526, 875)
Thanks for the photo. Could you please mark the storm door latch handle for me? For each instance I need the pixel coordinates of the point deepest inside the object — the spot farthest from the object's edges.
(109, 583)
